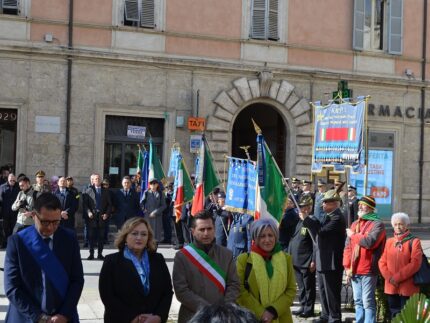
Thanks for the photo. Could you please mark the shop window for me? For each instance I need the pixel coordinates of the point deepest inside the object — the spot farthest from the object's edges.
(139, 13)
(9, 7)
(378, 25)
(264, 19)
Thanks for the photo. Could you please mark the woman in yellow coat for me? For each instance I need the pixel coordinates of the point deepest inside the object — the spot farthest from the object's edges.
(266, 274)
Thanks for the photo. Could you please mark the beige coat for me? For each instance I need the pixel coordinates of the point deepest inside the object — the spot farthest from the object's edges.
(193, 289)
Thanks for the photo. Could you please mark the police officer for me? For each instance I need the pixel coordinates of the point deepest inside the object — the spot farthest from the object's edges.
(295, 188)
(301, 248)
(222, 219)
(239, 237)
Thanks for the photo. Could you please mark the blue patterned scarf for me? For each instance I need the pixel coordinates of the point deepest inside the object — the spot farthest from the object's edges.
(142, 267)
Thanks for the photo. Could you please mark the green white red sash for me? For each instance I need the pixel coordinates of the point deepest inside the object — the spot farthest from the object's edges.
(206, 266)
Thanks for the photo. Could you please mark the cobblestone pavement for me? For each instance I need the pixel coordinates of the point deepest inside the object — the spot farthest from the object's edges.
(91, 308)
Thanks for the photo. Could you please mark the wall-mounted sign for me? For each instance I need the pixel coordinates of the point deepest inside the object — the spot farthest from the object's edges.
(195, 142)
(113, 170)
(195, 123)
(136, 132)
(47, 124)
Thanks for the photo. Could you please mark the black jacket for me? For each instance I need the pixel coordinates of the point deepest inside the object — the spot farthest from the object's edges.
(121, 290)
(288, 227)
(301, 246)
(330, 240)
(8, 195)
(89, 204)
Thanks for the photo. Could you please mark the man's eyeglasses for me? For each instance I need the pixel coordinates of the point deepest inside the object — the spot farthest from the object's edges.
(46, 223)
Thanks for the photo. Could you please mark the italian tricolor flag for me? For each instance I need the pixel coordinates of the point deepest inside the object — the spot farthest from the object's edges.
(155, 167)
(206, 178)
(337, 134)
(183, 189)
(270, 193)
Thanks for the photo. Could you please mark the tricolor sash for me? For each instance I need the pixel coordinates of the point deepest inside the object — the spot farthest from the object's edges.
(206, 266)
(46, 259)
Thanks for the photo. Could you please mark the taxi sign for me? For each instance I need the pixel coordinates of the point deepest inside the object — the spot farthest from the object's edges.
(195, 123)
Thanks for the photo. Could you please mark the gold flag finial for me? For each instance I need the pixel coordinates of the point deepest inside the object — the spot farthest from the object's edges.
(256, 127)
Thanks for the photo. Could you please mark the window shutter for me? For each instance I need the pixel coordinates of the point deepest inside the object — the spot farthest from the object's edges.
(395, 27)
(131, 8)
(9, 4)
(258, 19)
(358, 27)
(147, 14)
(273, 20)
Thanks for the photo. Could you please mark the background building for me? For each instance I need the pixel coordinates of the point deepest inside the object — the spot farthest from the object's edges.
(75, 74)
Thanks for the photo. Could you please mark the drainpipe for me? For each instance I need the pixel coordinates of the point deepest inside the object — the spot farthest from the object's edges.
(423, 102)
(69, 91)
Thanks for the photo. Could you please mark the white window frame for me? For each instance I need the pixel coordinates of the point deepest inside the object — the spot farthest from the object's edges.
(282, 21)
(392, 41)
(159, 15)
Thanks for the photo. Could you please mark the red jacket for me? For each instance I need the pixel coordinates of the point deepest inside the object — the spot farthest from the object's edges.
(363, 248)
(401, 263)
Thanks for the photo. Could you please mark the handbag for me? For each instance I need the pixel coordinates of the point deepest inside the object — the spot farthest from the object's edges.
(422, 276)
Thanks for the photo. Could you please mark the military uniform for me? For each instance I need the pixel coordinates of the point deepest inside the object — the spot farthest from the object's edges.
(239, 237)
(222, 219)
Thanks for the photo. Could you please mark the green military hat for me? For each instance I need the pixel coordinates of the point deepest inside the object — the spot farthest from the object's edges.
(40, 173)
(331, 196)
(306, 200)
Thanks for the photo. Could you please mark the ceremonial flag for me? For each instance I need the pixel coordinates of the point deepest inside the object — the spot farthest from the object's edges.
(206, 178)
(184, 190)
(271, 194)
(144, 174)
(139, 160)
(155, 168)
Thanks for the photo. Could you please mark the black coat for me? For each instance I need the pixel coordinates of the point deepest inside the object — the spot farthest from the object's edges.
(330, 240)
(288, 227)
(301, 246)
(89, 204)
(126, 207)
(8, 195)
(70, 204)
(121, 289)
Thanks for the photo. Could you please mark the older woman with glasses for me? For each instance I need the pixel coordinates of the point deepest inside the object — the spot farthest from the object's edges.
(399, 262)
(135, 284)
(268, 286)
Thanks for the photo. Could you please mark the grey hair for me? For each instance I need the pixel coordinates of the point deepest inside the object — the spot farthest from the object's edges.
(259, 225)
(223, 313)
(400, 216)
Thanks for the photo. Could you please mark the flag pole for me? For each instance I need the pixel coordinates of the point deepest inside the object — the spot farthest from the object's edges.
(286, 186)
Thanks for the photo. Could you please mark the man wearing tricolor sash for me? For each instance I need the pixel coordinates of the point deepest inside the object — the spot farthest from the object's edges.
(43, 275)
(203, 272)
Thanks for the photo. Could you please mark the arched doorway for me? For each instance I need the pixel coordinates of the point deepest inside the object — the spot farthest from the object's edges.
(272, 125)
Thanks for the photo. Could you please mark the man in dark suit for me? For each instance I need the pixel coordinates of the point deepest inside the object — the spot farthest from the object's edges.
(69, 203)
(8, 194)
(97, 207)
(43, 272)
(330, 242)
(126, 203)
(288, 223)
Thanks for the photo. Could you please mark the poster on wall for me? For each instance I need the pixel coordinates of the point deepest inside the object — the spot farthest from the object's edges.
(379, 180)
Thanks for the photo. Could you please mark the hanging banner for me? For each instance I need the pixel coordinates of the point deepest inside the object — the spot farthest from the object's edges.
(379, 180)
(338, 134)
(241, 187)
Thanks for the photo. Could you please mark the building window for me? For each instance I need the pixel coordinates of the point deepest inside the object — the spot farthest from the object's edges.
(139, 13)
(264, 19)
(9, 7)
(378, 25)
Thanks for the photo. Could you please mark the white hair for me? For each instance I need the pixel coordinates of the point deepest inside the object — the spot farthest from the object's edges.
(258, 226)
(400, 216)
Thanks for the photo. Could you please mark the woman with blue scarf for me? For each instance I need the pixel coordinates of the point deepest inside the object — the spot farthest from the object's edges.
(135, 284)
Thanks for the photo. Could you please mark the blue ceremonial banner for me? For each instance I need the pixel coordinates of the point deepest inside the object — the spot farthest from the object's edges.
(241, 187)
(338, 134)
(174, 162)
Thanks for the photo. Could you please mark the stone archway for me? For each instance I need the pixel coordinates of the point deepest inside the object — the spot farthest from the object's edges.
(280, 94)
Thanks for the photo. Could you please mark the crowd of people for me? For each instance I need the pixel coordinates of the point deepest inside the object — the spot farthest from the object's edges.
(223, 257)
